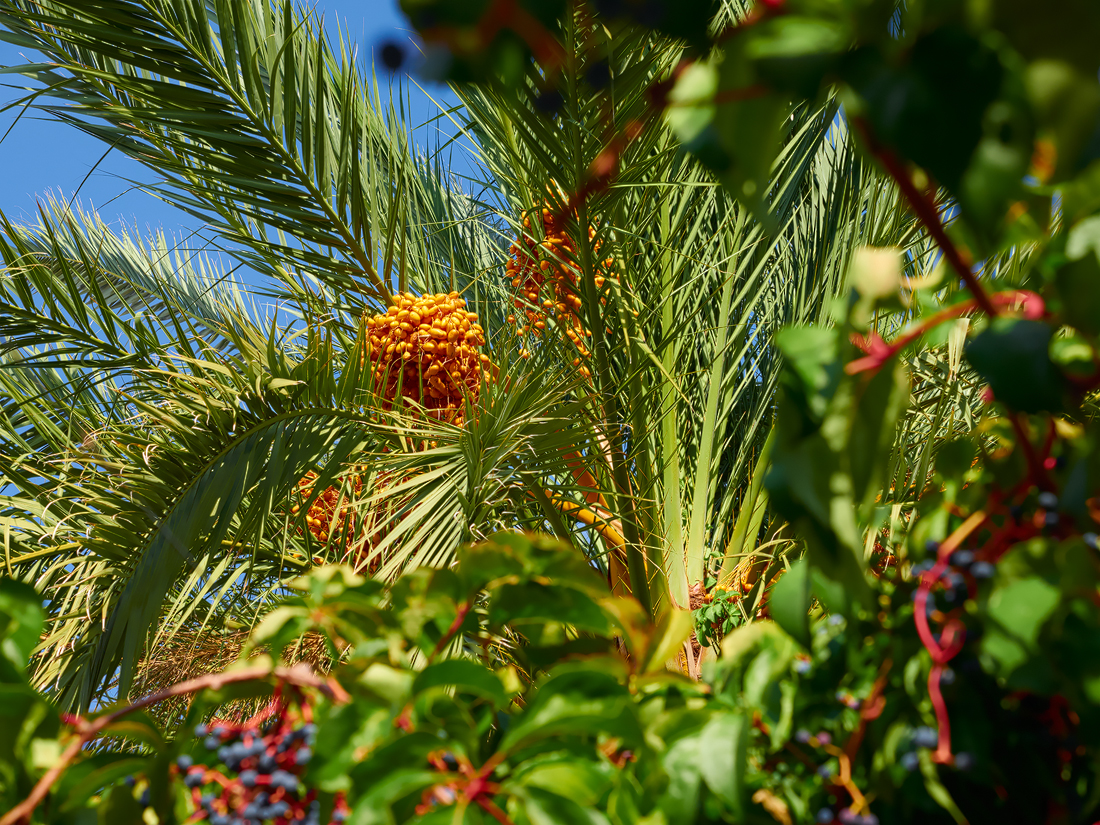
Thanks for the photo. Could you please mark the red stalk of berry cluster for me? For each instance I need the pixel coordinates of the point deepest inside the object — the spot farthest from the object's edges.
(299, 676)
(879, 352)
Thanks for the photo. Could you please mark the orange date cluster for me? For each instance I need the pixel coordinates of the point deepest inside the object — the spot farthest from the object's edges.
(328, 515)
(545, 275)
(425, 348)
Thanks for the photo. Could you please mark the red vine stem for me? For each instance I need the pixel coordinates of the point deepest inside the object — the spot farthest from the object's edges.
(952, 637)
(926, 211)
(879, 352)
(493, 810)
(1036, 471)
(299, 675)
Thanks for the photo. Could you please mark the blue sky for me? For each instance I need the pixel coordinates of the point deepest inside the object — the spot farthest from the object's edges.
(39, 156)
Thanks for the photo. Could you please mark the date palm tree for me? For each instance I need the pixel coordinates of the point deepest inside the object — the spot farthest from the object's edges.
(157, 422)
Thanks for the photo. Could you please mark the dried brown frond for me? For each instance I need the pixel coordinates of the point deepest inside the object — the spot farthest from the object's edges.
(192, 653)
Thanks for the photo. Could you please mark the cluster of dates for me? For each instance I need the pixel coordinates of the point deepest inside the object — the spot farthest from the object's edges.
(545, 276)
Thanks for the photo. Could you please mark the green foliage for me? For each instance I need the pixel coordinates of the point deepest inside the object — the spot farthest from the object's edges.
(932, 656)
(465, 696)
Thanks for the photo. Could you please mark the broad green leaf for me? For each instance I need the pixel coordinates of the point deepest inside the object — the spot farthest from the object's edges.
(1013, 356)
(789, 602)
(723, 747)
(21, 619)
(464, 675)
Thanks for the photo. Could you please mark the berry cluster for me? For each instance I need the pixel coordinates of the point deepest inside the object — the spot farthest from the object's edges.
(545, 275)
(927, 738)
(425, 348)
(259, 778)
(855, 814)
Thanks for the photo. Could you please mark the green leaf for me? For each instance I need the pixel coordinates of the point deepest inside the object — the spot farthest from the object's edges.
(683, 761)
(723, 746)
(546, 808)
(466, 676)
(121, 808)
(794, 53)
(789, 602)
(21, 619)
(1013, 356)
(945, 85)
(588, 702)
(1067, 107)
(1019, 608)
(812, 369)
(565, 774)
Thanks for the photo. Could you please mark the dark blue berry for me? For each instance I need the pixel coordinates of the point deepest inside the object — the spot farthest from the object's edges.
(910, 761)
(212, 743)
(145, 798)
(285, 780)
(130, 781)
(200, 731)
(931, 547)
(825, 815)
(195, 779)
(598, 75)
(280, 808)
(392, 54)
(1051, 519)
(1090, 540)
(962, 558)
(1048, 501)
(802, 735)
(947, 677)
(339, 816)
(925, 737)
(221, 819)
(184, 762)
(248, 779)
(549, 102)
(982, 570)
(921, 568)
(303, 756)
(267, 763)
(218, 731)
(825, 771)
(964, 761)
